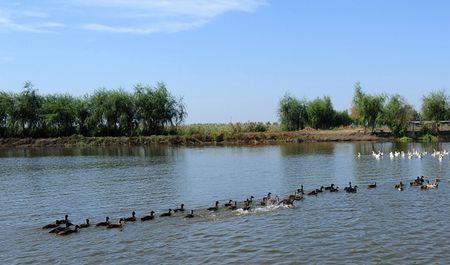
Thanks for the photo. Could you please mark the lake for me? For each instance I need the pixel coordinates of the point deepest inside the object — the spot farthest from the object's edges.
(379, 225)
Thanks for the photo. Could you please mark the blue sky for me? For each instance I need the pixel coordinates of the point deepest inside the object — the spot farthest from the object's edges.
(229, 59)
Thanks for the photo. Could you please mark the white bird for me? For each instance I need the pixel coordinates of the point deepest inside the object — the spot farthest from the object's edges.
(391, 155)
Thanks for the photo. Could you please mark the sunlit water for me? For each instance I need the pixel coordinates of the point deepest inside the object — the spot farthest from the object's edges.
(381, 225)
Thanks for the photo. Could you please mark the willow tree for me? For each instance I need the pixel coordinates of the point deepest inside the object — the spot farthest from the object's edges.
(111, 112)
(156, 108)
(292, 113)
(368, 107)
(397, 114)
(27, 111)
(83, 113)
(435, 107)
(59, 113)
(6, 105)
(321, 114)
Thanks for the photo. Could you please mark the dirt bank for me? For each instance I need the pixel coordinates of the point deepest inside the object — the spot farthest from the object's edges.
(198, 140)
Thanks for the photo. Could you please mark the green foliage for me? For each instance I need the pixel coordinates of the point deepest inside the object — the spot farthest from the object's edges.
(342, 118)
(428, 138)
(397, 114)
(435, 106)
(112, 112)
(293, 113)
(321, 113)
(6, 107)
(404, 139)
(59, 114)
(104, 113)
(83, 113)
(157, 108)
(368, 107)
(220, 132)
(26, 114)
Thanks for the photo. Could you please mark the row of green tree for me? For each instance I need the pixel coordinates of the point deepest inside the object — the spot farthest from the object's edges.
(149, 110)
(367, 110)
(319, 113)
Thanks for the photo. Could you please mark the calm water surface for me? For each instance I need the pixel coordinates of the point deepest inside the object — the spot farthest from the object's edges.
(380, 226)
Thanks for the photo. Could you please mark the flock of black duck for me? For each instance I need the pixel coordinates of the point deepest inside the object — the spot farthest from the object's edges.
(63, 227)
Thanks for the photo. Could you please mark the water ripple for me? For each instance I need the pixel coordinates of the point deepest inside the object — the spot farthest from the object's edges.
(370, 227)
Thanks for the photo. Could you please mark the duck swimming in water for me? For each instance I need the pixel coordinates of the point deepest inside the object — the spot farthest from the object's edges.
(298, 196)
(190, 215)
(130, 219)
(181, 209)
(428, 185)
(68, 231)
(105, 223)
(53, 225)
(264, 201)
(313, 192)
(118, 225)
(85, 225)
(351, 189)
(289, 201)
(334, 189)
(329, 187)
(316, 191)
(399, 186)
(247, 206)
(59, 229)
(169, 213)
(228, 204)
(148, 217)
(65, 220)
(418, 181)
(214, 208)
(372, 185)
(233, 207)
(273, 200)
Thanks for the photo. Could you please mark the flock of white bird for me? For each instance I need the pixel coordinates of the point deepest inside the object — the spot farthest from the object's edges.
(439, 154)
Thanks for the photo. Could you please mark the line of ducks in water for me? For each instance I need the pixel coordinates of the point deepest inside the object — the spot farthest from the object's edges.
(62, 227)
(409, 154)
(421, 182)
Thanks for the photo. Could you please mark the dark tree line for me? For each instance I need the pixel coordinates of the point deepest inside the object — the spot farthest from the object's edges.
(149, 110)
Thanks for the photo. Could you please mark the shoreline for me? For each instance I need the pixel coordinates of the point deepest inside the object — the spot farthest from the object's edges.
(244, 139)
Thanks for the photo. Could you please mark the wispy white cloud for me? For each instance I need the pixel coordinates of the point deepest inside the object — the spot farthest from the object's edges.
(169, 27)
(120, 16)
(195, 8)
(146, 17)
(17, 21)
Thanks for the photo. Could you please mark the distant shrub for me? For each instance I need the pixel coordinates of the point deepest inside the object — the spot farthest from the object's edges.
(404, 139)
(428, 138)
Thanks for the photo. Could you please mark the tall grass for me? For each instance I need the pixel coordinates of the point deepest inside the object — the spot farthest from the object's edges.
(222, 131)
